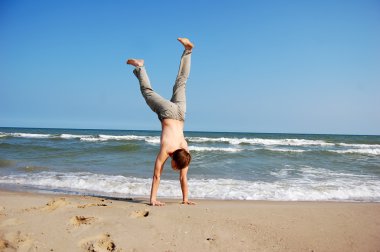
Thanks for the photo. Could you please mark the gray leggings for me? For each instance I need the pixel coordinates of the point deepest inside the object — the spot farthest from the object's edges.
(165, 109)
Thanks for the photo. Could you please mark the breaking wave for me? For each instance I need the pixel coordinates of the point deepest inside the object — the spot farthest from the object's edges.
(314, 185)
(234, 144)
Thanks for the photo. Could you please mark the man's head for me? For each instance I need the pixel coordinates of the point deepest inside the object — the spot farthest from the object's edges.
(180, 159)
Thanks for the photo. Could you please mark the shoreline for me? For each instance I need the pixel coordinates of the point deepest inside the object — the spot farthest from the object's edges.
(61, 222)
(62, 193)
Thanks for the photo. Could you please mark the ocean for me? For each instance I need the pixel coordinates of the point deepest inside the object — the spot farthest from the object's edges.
(225, 165)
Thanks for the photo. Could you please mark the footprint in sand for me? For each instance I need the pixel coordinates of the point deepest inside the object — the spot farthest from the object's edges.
(6, 245)
(2, 211)
(16, 241)
(139, 214)
(91, 205)
(81, 220)
(55, 203)
(51, 205)
(101, 243)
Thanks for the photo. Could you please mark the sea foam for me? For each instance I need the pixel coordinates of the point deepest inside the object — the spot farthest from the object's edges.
(339, 186)
(213, 149)
(260, 141)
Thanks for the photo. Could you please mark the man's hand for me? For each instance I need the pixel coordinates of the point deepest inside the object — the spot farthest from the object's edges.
(188, 203)
(156, 203)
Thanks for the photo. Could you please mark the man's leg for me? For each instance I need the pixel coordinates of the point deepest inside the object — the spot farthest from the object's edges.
(154, 100)
(179, 89)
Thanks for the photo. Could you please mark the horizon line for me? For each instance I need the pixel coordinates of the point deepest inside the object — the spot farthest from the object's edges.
(241, 132)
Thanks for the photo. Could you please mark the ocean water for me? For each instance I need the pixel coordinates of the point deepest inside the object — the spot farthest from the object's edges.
(242, 166)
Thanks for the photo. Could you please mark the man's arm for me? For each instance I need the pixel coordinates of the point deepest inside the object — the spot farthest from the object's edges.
(162, 156)
(184, 188)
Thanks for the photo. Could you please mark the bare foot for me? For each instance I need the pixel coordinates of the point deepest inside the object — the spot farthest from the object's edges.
(135, 62)
(186, 43)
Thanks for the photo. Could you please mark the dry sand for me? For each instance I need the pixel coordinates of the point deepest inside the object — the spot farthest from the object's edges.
(39, 222)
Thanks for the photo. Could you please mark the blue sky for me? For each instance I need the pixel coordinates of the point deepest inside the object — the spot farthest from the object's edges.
(258, 66)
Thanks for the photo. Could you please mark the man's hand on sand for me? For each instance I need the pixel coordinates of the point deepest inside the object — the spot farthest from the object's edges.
(156, 203)
(188, 203)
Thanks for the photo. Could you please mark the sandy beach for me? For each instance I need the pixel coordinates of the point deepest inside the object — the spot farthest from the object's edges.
(50, 222)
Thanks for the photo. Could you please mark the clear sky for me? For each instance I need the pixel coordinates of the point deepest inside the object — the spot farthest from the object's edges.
(258, 66)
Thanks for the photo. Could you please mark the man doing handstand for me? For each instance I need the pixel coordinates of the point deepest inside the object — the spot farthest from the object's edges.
(172, 116)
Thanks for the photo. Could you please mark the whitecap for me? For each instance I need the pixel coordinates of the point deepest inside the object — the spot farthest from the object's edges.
(30, 135)
(71, 136)
(285, 150)
(369, 151)
(198, 148)
(261, 141)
